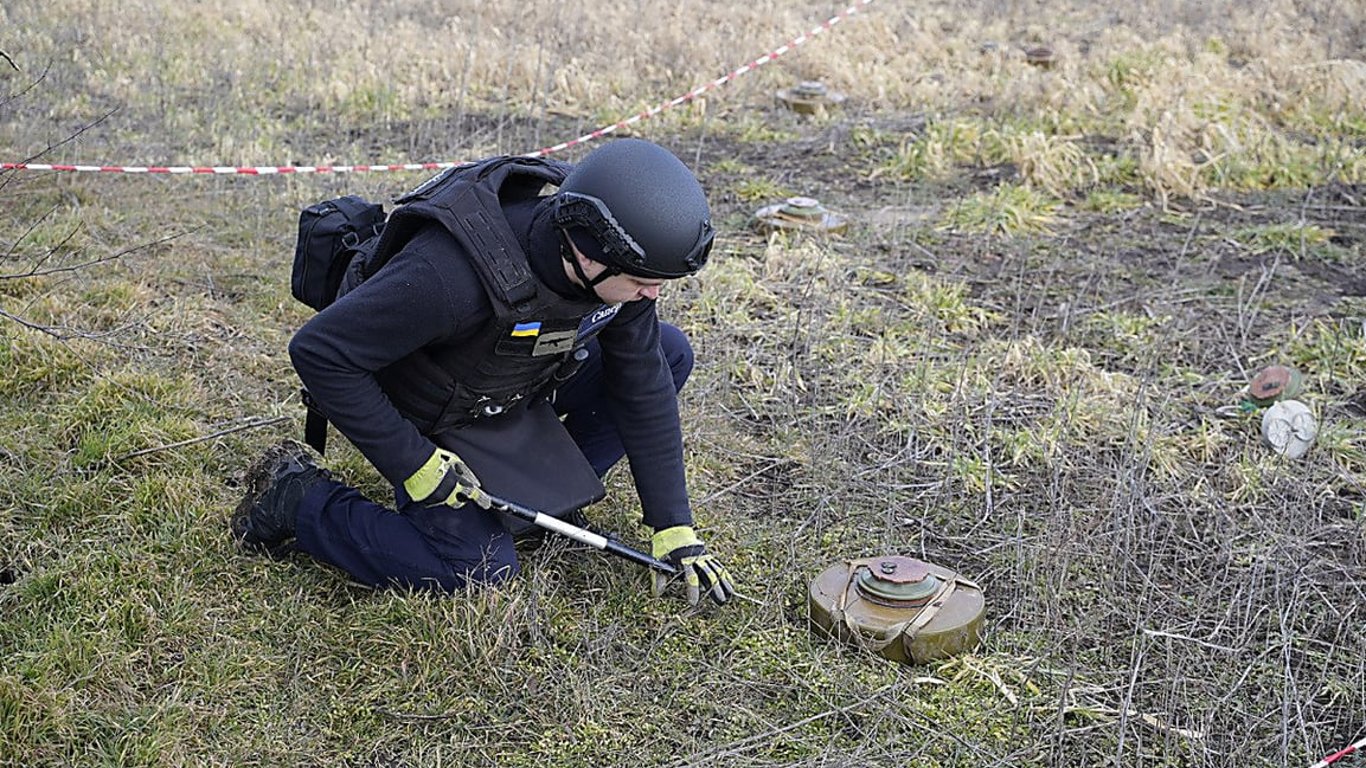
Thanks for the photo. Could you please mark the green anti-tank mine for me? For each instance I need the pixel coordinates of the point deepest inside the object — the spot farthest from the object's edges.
(907, 610)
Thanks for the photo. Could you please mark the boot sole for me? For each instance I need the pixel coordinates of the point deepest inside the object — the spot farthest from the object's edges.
(257, 480)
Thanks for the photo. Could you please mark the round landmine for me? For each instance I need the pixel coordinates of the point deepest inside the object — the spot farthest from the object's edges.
(799, 213)
(1041, 56)
(905, 609)
(809, 97)
(1289, 428)
(1274, 382)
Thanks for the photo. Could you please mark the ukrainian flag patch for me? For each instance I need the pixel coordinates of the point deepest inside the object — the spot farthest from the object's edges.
(526, 329)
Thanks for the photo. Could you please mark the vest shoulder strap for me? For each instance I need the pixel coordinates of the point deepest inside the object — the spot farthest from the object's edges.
(467, 201)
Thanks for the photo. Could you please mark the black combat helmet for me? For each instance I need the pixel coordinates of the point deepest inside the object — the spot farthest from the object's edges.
(635, 207)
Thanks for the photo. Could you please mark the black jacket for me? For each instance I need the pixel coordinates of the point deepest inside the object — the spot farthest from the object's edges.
(429, 296)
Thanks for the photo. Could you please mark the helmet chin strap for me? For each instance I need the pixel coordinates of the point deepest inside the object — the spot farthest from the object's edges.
(587, 285)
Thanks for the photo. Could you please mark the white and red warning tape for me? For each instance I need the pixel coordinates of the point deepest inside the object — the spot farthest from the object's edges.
(1338, 755)
(224, 170)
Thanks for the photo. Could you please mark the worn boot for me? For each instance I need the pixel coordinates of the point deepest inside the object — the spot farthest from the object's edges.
(276, 484)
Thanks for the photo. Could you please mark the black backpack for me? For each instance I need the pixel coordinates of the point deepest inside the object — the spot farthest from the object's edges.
(331, 234)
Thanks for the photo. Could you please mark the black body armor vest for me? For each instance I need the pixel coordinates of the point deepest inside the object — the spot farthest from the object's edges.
(533, 339)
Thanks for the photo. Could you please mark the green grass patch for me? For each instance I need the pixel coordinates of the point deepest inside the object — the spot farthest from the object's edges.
(1008, 210)
(122, 414)
(757, 129)
(1296, 239)
(760, 190)
(942, 146)
(1331, 353)
(33, 364)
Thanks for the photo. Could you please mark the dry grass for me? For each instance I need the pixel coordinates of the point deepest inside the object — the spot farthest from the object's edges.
(1011, 364)
(1244, 98)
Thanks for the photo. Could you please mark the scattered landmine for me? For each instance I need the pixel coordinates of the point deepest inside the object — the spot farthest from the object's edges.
(907, 610)
(809, 97)
(802, 213)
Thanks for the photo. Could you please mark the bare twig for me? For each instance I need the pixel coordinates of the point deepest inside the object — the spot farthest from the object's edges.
(33, 227)
(8, 176)
(60, 332)
(9, 61)
(1196, 640)
(202, 438)
(36, 272)
(736, 747)
(774, 464)
(52, 331)
(416, 717)
(75, 135)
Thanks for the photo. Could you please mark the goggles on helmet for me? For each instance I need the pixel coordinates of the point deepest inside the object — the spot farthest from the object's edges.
(591, 214)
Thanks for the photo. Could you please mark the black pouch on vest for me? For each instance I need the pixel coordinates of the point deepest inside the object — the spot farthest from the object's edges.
(526, 456)
(331, 233)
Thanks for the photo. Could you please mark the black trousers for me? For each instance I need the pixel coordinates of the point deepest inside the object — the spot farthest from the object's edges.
(443, 548)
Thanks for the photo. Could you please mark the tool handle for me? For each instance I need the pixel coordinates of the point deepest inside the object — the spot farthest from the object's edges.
(636, 556)
(582, 535)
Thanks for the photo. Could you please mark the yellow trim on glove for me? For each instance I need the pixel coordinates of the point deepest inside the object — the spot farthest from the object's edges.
(669, 539)
(427, 478)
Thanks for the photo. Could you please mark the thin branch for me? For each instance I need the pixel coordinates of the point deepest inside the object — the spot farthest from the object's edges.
(202, 438)
(774, 464)
(740, 746)
(27, 232)
(77, 134)
(49, 330)
(52, 251)
(59, 332)
(6, 177)
(35, 272)
(10, 61)
(66, 333)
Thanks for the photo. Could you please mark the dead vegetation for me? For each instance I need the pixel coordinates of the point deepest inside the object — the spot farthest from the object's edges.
(1019, 361)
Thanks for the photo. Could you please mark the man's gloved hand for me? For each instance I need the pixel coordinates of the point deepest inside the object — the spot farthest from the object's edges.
(445, 479)
(680, 546)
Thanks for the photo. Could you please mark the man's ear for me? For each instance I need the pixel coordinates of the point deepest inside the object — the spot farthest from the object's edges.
(584, 261)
